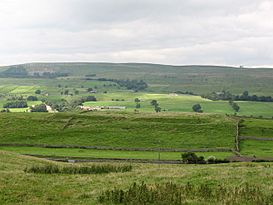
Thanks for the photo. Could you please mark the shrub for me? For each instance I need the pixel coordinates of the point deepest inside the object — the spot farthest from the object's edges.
(16, 104)
(32, 98)
(94, 169)
(192, 158)
(38, 92)
(197, 108)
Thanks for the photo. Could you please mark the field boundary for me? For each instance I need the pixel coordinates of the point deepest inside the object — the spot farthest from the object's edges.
(121, 148)
(255, 138)
(237, 139)
(94, 159)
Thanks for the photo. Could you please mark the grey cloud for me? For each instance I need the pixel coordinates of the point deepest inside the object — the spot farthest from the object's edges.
(227, 32)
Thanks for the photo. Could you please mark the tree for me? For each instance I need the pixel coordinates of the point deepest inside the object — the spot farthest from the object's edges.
(16, 104)
(235, 107)
(137, 100)
(157, 109)
(66, 92)
(38, 92)
(91, 98)
(138, 105)
(192, 158)
(76, 92)
(32, 98)
(154, 103)
(197, 108)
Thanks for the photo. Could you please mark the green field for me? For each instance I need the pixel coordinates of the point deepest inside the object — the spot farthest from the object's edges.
(91, 153)
(180, 103)
(119, 130)
(257, 128)
(257, 148)
(18, 187)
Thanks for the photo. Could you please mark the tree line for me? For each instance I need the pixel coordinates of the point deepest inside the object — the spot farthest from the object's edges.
(226, 95)
(135, 85)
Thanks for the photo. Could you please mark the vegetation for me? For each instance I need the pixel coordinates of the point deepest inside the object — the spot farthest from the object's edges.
(16, 104)
(125, 130)
(192, 158)
(226, 95)
(94, 169)
(86, 189)
(197, 108)
(174, 194)
(39, 108)
(32, 98)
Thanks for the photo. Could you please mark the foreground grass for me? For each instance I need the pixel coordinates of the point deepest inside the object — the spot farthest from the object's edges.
(90, 153)
(18, 187)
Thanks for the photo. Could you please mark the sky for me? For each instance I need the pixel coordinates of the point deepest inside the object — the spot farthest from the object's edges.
(178, 32)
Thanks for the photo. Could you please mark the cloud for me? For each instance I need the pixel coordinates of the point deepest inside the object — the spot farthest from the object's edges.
(228, 32)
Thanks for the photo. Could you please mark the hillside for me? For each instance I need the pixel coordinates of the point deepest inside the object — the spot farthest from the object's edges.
(167, 78)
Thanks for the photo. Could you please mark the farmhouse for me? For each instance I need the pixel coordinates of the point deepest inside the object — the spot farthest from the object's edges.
(95, 108)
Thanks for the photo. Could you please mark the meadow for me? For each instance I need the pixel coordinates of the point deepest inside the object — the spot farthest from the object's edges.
(19, 187)
(125, 130)
(74, 153)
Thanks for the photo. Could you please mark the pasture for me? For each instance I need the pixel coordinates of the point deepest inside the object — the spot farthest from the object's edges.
(18, 187)
(125, 130)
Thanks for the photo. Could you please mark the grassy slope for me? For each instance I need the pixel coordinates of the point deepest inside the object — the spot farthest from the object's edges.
(119, 129)
(257, 148)
(164, 78)
(17, 187)
(180, 103)
(257, 128)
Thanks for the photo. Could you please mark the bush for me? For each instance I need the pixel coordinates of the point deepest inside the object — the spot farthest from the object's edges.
(38, 92)
(192, 158)
(32, 98)
(90, 98)
(93, 169)
(197, 108)
(16, 104)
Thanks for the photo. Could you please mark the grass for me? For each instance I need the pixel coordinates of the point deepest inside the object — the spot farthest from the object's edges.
(180, 103)
(119, 130)
(164, 78)
(18, 187)
(257, 128)
(257, 148)
(174, 194)
(90, 153)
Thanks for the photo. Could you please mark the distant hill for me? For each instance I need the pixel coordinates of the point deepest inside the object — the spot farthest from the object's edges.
(166, 78)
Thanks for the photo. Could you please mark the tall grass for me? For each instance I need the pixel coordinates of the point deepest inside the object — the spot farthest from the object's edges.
(172, 194)
(93, 169)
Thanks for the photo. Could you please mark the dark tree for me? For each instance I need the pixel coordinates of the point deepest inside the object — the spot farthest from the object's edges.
(38, 92)
(197, 108)
(32, 98)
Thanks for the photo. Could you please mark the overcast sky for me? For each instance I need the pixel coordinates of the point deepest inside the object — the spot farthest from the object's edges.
(220, 32)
